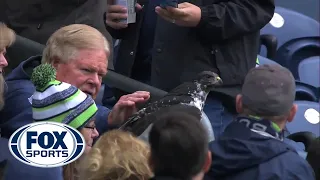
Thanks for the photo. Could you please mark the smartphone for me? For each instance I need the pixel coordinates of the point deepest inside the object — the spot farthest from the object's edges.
(170, 3)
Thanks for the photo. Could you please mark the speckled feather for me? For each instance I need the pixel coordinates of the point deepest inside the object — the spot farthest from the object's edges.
(192, 94)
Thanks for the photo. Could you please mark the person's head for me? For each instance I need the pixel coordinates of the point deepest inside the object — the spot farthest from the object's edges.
(314, 156)
(268, 92)
(179, 146)
(80, 55)
(117, 155)
(7, 37)
(61, 102)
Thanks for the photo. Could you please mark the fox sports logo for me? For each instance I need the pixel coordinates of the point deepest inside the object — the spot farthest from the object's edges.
(46, 144)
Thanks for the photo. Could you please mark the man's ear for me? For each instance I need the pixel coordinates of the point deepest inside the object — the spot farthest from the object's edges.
(208, 162)
(239, 106)
(292, 112)
(56, 62)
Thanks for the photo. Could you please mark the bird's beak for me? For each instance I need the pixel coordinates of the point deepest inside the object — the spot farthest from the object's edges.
(219, 81)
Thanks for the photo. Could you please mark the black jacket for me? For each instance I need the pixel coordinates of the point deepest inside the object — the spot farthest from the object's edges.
(227, 37)
(38, 19)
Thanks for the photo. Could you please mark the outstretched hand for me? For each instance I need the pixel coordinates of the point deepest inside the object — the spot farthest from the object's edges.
(126, 106)
(187, 14)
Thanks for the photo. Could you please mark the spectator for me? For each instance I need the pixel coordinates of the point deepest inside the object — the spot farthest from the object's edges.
(7, 37)
(179, 147)
(117, 155)
(314, 156)
(168, 46)
(252, 146)
(37, 20)
(61, 102)
(79, 53)
(11, 168)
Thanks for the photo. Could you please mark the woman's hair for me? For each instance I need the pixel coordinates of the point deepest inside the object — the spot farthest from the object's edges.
(117, 155)
(7, 38)
(67, 41)
(70, 171)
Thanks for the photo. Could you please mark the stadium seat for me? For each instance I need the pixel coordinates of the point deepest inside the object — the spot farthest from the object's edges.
(307, 118)
(306, 92)
(309, 71)
(293, 52)
(304, 137)
(270, 42)
(264, 60)
(287, 25)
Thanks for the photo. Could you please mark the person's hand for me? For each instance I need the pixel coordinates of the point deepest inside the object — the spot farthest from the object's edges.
(126, 106)
(116, 13)
(186, 14)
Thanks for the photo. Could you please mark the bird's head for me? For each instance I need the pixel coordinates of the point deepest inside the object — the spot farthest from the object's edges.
(209, 80)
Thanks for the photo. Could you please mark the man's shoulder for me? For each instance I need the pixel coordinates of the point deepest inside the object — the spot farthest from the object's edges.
(294, 166)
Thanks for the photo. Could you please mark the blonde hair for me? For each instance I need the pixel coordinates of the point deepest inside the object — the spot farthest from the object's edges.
(7, 38)
(117, 155)
(67, 41)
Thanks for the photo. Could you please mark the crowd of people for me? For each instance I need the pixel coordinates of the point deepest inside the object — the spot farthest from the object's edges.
(248, 113)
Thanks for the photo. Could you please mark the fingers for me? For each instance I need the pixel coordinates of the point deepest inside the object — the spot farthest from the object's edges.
(138, 7)
(176, 12)
(113, 19)
(139, 96)
(115, 14)
(183, 5)
(170, 13)
(116, 25)
(162, 12)
(124, 104)
(116, 9)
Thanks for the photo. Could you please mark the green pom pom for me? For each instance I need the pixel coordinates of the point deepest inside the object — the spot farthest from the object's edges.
(42, 75)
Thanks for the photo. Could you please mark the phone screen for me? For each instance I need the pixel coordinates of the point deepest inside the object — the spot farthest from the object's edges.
(171, 3)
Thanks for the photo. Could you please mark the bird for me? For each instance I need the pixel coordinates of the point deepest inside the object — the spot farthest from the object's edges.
(188, 97)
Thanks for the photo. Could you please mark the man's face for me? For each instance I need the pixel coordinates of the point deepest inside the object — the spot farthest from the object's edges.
(89, 133)
(85, 71)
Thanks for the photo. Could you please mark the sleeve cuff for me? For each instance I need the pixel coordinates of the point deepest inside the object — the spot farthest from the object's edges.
(204, 17)
(102, 120)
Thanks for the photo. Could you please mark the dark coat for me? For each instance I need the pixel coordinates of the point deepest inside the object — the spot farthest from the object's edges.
(39, 19)
(241, 154)
(227, 37)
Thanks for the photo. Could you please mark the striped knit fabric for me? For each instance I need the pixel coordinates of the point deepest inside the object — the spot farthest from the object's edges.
(64, 103)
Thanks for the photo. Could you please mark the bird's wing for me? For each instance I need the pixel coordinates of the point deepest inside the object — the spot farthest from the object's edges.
(166, 101)
(141, 124)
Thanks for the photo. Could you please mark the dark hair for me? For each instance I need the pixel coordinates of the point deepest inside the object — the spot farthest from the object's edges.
(179, 145)
(314, 156)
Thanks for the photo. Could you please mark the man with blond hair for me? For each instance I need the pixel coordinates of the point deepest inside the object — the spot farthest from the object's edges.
(80, 55)
(10, 167)
(7, 37)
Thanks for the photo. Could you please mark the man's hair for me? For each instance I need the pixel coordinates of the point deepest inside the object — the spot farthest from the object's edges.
(67, 41)
(117, 155)
(274, 119)
(314, 156)
(7, 38)
(179, 145)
